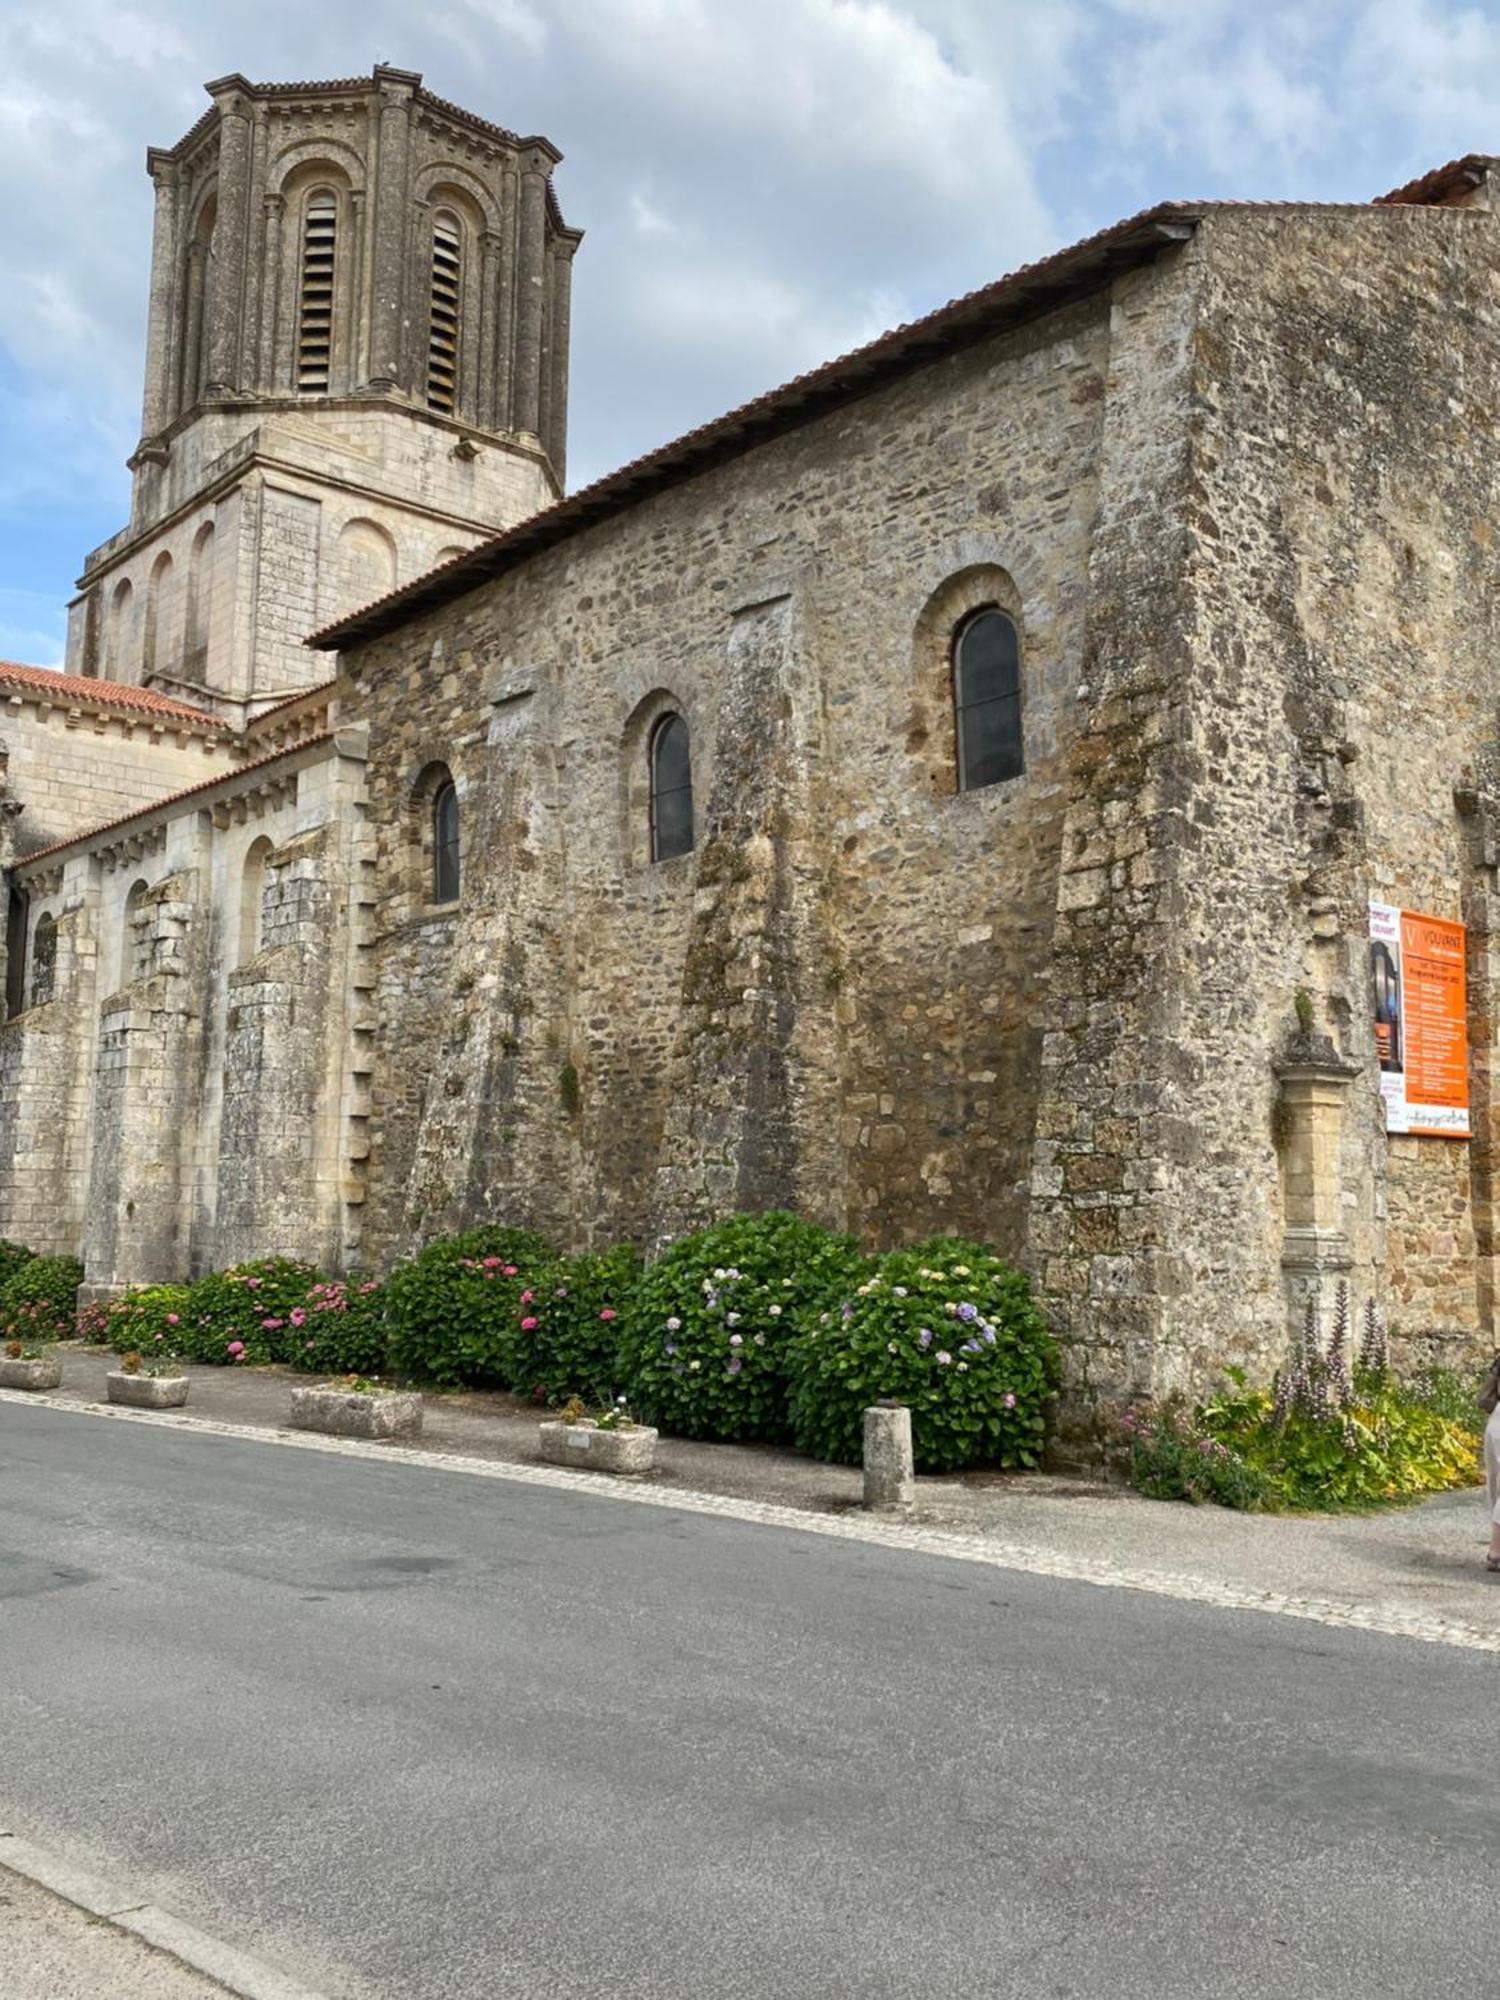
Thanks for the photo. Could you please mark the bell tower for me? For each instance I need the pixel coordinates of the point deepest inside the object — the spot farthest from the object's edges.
(356, 367)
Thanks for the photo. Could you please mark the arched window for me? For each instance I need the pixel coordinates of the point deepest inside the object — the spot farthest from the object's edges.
(44, 962)
(320, 221)
(446, 871)
(117, 652)
(154, 647)
(671, 789)
(987, 699)
(199, 621)
(366, 565)
(201, 275)
(135, 947)
(15, 951)
(443, 327)
(253, 901)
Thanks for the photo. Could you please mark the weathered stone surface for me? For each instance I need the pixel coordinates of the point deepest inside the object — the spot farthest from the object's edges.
(630, 1451)
(45, 1372)
(353, 1413)
(1236, 497)
(146, 1392)
(890, 1482)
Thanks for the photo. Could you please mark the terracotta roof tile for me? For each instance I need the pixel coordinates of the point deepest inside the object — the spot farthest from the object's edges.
(173, 798)
(82, 688)
(1442, 183)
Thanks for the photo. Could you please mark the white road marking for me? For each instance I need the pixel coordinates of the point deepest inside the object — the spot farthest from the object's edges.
(1390, 1621)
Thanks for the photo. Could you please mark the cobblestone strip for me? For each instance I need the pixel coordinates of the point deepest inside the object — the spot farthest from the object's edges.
(1387, 1620)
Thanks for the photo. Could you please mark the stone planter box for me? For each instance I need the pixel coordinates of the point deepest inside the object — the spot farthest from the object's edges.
(351, 1413)
(146, 1392)
(43, 1373)
(629, 1452)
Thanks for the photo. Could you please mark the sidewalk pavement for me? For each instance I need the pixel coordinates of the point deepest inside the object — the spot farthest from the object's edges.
(52, 1950)
(1420, 1563)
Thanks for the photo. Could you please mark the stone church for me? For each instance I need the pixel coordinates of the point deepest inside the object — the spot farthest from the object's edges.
(948, 792)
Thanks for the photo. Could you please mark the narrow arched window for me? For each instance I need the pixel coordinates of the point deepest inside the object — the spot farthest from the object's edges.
(155, 647)
(443, 318)
(44, 962)
(121, 612)
(987, 700)
(135, 945)
(320, 223)
(15, 951)
(253, 900)
(198, 624)
(671, 789)
(445, 844)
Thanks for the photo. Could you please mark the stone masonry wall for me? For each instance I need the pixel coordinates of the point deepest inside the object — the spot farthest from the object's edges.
(833, 1001)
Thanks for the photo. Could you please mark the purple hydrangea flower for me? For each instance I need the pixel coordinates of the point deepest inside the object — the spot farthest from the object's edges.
(735, 1364)
(669, 1347)
(967, 1311)
(989, 1335)
(924, 1338)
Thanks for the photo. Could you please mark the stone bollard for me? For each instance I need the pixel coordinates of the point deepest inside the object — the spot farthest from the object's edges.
(888, 1463)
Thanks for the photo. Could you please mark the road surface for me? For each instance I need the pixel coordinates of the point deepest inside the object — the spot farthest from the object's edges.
(411, 1734)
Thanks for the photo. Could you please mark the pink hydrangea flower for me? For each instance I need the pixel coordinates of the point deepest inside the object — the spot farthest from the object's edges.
(236, 1349)
(608, 1313)
(172, 1319)
(528, 1326)
(272, 1325)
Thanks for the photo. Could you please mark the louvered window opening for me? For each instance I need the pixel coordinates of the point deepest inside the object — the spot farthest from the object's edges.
(315, 328)
(442, 338)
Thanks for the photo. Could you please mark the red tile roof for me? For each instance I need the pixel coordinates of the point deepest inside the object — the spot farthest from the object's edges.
(174, 798)
(1442, 183)
(82, 689)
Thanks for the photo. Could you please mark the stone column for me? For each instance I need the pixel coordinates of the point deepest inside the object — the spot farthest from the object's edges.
(273, 209)
(489, 293)
(556, 439)
(890, 1485)
(157, 410)
(231, 227)
(389, 355)
(531, 294)
(505, 302)
(1315, 1082)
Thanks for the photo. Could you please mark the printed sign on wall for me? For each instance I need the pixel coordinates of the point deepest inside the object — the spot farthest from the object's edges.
(1421, 1022)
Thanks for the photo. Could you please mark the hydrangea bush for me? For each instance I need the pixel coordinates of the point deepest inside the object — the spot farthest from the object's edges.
(39, 1302)
(452, 1311)
(950, 1330)
(147, 1321)
(245, 1314)
(705, 1343)
(13, 1256)
(566, 1340)
(339, 1328)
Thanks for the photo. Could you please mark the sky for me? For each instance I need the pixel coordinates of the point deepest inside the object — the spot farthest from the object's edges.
(763, 183)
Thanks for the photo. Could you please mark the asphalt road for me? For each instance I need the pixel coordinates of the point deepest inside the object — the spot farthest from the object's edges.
(424, 1736)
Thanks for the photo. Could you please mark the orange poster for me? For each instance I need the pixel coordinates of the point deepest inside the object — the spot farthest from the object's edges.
(1421, 1021)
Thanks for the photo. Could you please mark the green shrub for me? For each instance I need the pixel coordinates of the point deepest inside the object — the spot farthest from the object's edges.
(705, 1342)
(39, 1301)
(451, 1311)
(13, 1257)
(1375, 1443)
(245, 1314)
(1172, 1458)
(339, 1329)
(946, 1328)
(566, 1340)
(147, 1321)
